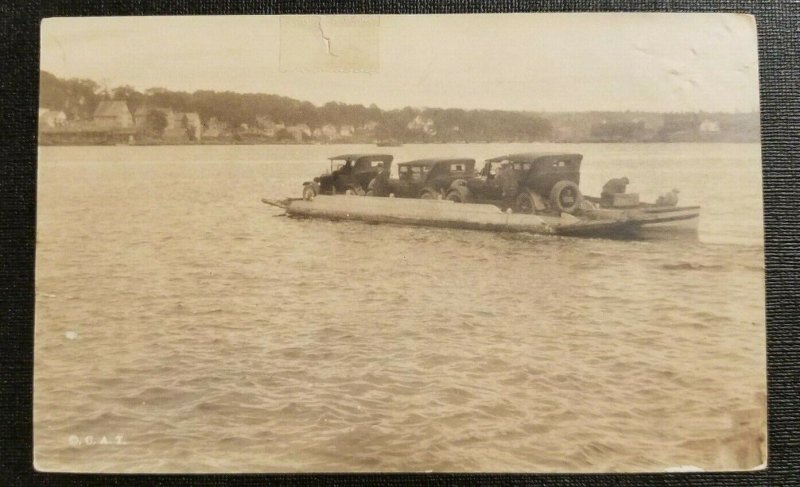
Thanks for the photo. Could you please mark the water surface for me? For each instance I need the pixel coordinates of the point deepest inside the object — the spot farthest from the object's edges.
(182, 318)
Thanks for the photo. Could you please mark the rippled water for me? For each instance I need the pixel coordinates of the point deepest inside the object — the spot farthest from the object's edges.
(181, 325)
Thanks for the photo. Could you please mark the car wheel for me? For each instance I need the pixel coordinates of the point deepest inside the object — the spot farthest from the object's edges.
(454, 197)
(309, 192)
(565, 197)
(354, 190)
(524, 203)
(458, 195)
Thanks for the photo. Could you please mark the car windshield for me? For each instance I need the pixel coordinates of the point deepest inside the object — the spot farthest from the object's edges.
(341, 163)
(413, 172)
(522, 166)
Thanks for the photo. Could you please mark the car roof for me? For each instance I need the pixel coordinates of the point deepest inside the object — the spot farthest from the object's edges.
(532, 156)
(377, 157)
(433, 162)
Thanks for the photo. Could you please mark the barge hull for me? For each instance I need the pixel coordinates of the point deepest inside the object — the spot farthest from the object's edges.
(432, 213)
(447, 214)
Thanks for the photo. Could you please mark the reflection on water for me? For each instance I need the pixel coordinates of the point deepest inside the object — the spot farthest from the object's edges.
(196, 330)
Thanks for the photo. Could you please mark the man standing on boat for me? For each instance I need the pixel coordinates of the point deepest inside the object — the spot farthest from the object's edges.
(379, 184)
(668, 199)
(612, 187)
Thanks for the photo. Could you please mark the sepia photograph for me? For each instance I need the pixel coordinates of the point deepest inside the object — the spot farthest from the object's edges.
(528, 243)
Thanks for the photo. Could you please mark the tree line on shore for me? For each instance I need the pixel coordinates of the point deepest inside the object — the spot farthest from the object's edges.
(78, 98)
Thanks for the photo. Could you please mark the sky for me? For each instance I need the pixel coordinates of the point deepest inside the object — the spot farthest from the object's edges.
(539, 62)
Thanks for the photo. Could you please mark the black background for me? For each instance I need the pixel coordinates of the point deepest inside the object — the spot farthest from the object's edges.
(778, 33)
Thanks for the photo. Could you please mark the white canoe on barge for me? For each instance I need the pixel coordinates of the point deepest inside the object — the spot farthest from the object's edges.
(447, 214)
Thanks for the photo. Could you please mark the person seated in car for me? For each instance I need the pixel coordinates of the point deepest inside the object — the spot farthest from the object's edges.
(347, 168)
(492, 172)
(344, 170)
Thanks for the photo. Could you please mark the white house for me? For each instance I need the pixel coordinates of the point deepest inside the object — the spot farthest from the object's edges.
(709, 126)
(299, 131)
(329, 131)
(422, 124)
(51, 118)
(346, 131)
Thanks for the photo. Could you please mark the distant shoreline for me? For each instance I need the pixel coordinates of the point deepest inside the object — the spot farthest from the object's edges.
(81, 112)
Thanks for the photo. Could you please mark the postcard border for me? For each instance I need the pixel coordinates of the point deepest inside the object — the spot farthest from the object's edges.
(780, 124)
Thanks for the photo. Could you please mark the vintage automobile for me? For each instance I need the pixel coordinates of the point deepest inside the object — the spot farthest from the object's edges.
(541, 182)
(424, 178)
(349, 174)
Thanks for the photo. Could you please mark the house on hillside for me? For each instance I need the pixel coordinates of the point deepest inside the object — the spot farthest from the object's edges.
(215, 128)
(328, 131)
(299, 131)
(112, 114)
(422, 124)
(51, 118)
(192, 123)
(175, 126)
(184, 125)
(140, 116)
(268, 127)
(179, 125)
(370, 126)
(346, 131)
(709, 126)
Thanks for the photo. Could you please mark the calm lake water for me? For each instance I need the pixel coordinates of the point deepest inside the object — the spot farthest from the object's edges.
(183, 326)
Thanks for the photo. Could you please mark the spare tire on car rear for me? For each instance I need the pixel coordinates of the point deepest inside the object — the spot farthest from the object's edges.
(309, 192)
(565, 197)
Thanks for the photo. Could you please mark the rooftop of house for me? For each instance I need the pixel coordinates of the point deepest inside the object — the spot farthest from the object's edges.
(111, 108)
